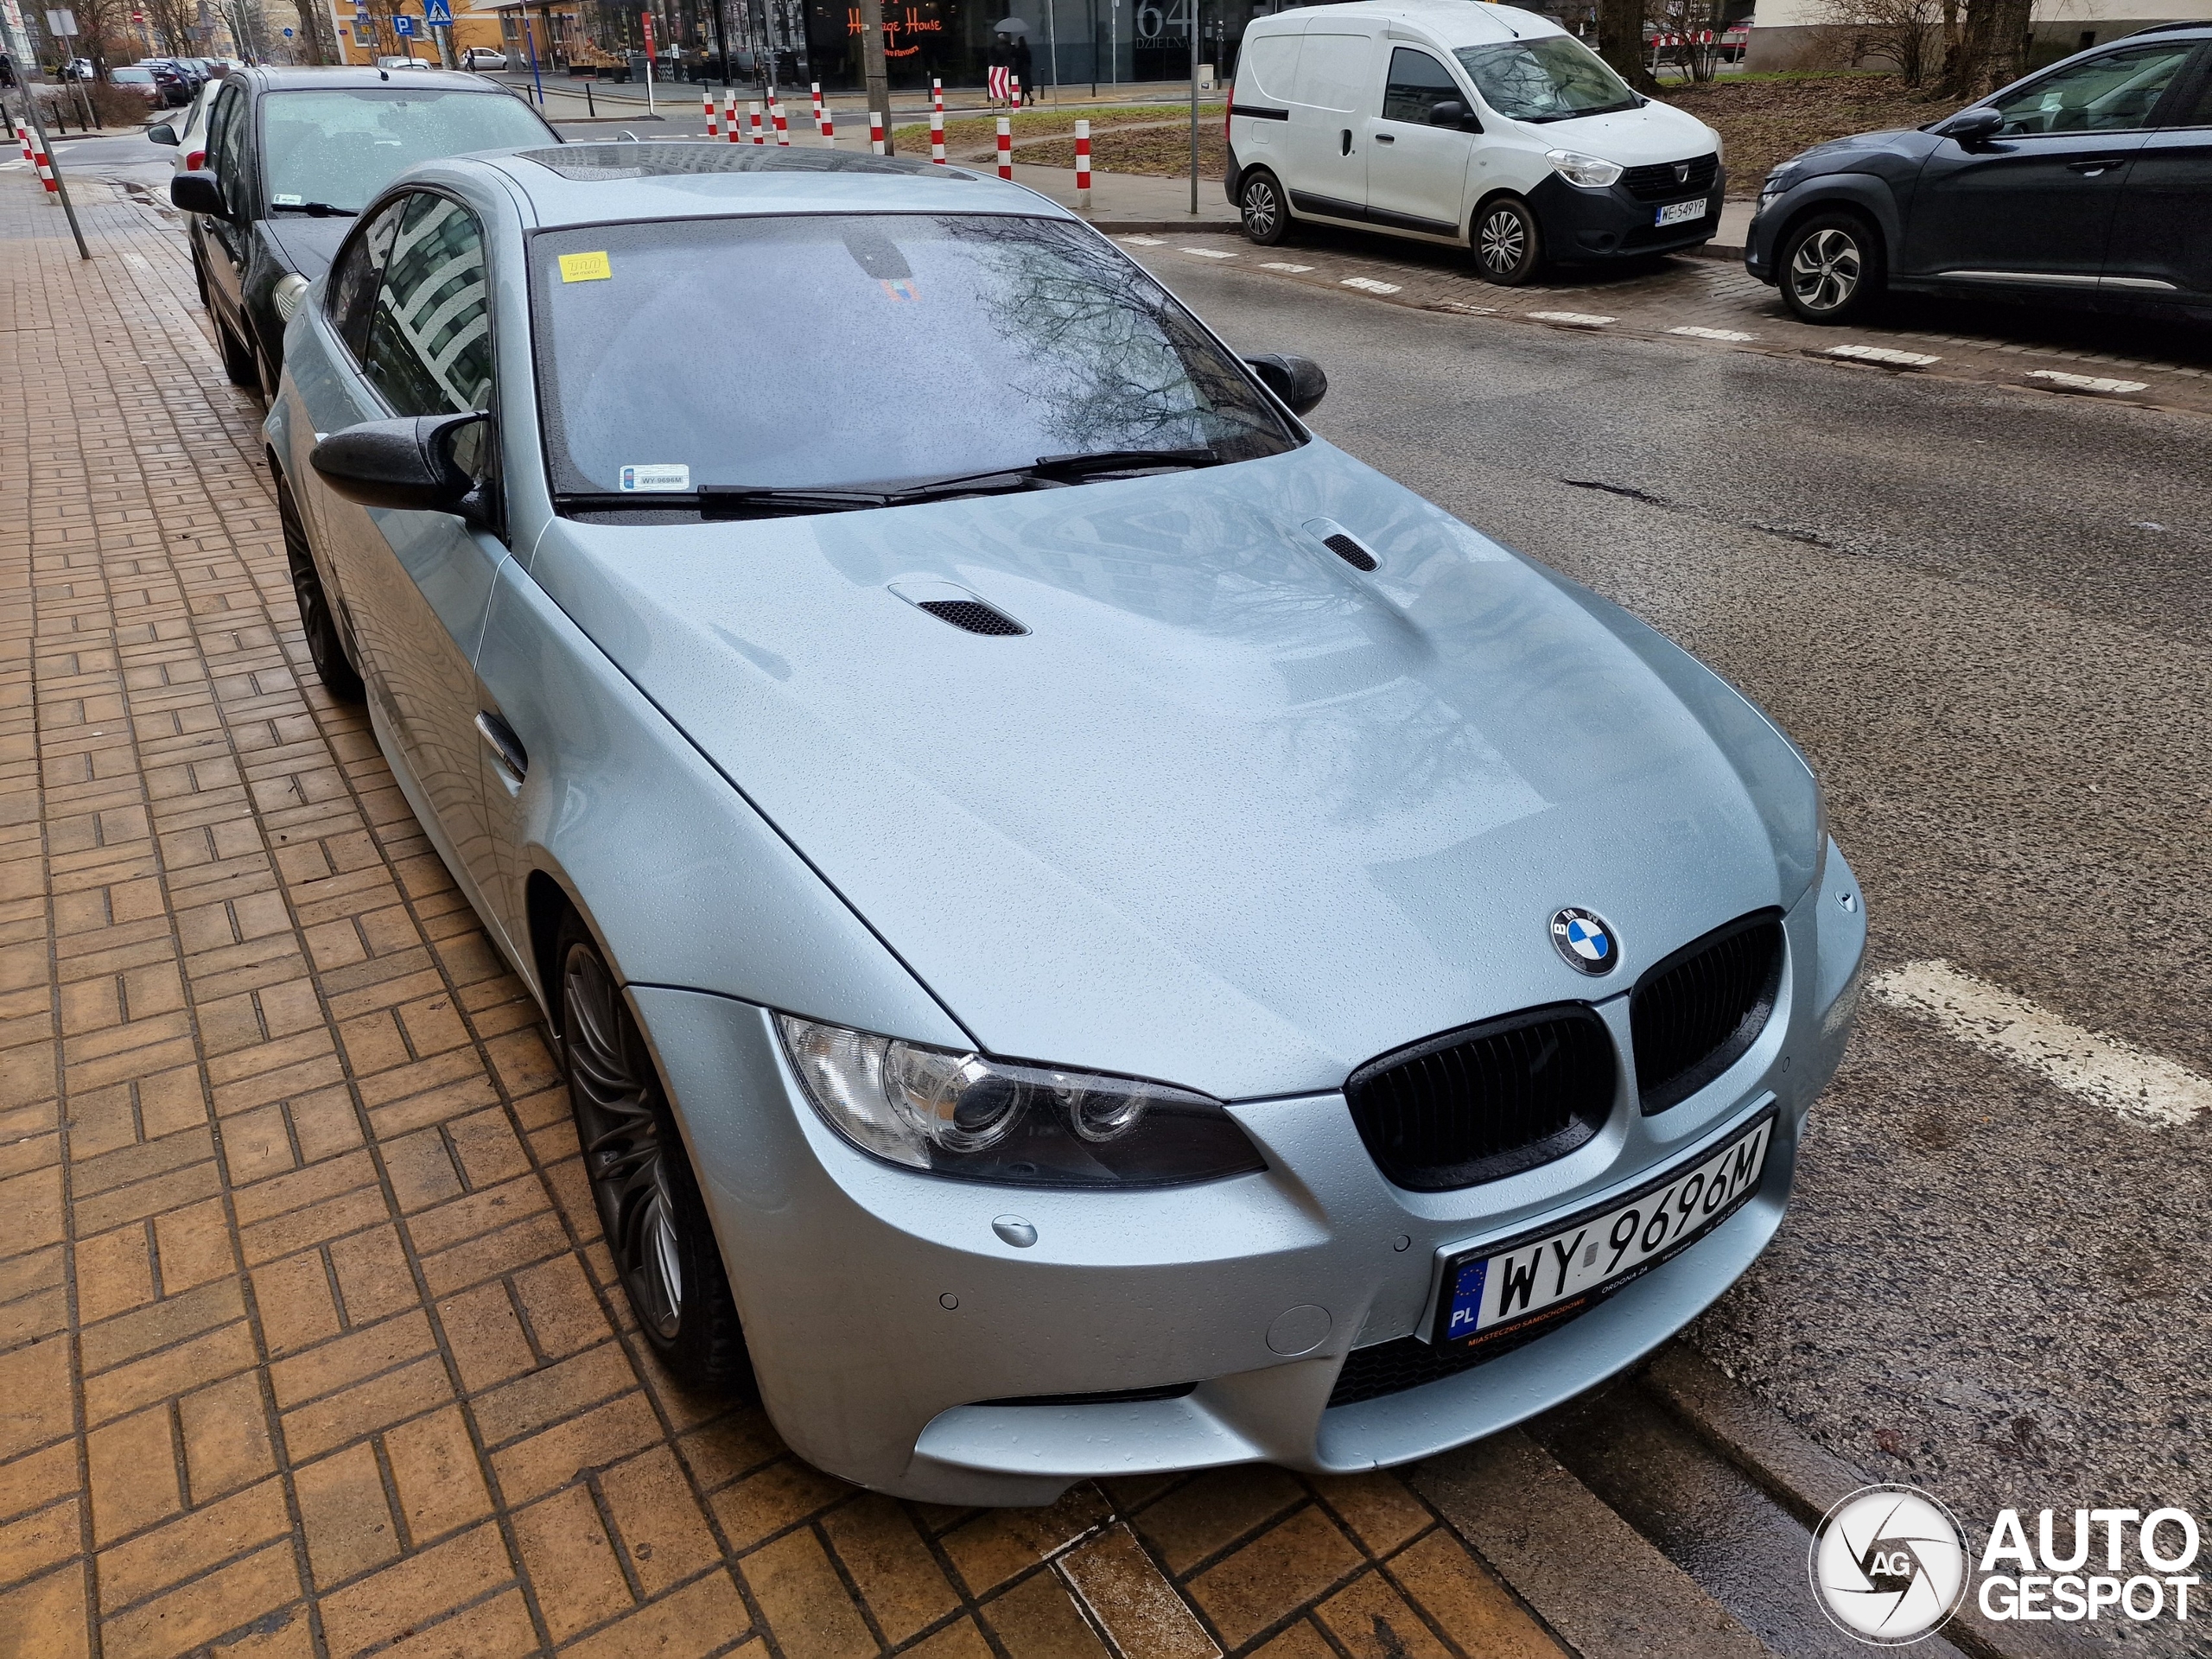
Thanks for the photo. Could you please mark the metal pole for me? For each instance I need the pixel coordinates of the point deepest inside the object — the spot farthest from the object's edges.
(1191, 35)
(54, 166)
(1053, 43)
(529, 42)
(1090, 15)
(876, 67)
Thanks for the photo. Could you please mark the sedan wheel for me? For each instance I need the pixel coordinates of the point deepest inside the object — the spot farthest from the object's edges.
(1831, 269)
(238, 358)
(1260, 202)
(333, 666)
(649, 1205)
(1509, 248)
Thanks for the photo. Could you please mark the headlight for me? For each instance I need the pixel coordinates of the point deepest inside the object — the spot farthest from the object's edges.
(286, 295)
(986, 1120)
(1584, 170)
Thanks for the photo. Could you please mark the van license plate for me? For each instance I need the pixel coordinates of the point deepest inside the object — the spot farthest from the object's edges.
(1680, 213)
(1568, 1269)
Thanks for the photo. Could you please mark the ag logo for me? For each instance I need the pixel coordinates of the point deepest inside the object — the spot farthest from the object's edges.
(1889, 1565)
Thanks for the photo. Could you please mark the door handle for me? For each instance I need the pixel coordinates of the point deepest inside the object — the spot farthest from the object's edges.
(1344, 137)
(507, 750)
(1384, 139)
(2091, 170)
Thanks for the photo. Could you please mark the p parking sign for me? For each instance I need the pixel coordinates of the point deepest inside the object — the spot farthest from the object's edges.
(403, 27)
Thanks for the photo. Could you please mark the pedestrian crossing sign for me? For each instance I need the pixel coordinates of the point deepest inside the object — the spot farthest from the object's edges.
(437, 13)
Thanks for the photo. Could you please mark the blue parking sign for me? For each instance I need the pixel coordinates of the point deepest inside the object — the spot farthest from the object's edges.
(403, 26)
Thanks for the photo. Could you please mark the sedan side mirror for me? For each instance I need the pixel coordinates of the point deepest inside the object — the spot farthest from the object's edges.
(408, 464)
(198, 193)
(1973, 127)
(161, 133)
(1451, 113)
(1297, 380)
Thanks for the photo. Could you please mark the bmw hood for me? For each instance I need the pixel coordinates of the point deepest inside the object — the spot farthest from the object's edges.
(1231, 812)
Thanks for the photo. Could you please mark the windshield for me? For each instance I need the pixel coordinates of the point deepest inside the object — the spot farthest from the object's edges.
(341, 147)
(841, 352)
(1548, 78)
(131, 77)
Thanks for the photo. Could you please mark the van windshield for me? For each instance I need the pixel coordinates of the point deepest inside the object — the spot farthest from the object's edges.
(1553, 77)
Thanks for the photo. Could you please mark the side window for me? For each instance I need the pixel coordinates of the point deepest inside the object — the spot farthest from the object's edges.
(429, 346)
(226, 150)
(2198, 112)
(1266, 66)
(1333, 71)
(351, 293)
(1417, 83)
(2112, 93)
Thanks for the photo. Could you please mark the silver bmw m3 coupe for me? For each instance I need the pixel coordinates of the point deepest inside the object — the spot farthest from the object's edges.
(1089, 931)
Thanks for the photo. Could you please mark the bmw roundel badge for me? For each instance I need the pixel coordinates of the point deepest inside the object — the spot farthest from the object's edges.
(1584, 942)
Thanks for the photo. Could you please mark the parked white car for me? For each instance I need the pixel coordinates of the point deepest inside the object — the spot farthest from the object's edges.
(1477, 124)
(190, 134)
(483, 57)
(405, 63)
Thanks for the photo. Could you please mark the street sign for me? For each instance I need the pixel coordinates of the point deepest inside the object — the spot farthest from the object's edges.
(62, 24)
(437, 13)
(403, 27)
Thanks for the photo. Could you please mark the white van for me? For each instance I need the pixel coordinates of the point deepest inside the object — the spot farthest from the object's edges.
(1453, 121)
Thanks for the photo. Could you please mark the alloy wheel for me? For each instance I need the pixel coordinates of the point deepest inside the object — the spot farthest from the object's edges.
(1825, 271)
(1261, 211)
(1504, 242)
(611, 1083)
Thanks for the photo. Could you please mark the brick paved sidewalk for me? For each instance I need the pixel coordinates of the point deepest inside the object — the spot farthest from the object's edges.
(308, 1344)
(1715, 305)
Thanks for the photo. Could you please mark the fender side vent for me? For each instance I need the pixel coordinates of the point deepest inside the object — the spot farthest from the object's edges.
(973, 615)
(1350, 552)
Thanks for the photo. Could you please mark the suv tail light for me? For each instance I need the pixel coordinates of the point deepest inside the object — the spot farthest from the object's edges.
(194, 160)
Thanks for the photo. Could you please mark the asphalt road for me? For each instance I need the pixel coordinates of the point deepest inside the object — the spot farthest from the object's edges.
(1983, 615)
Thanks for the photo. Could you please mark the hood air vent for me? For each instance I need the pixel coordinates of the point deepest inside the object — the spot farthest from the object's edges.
(972, 615)
(1350, 552)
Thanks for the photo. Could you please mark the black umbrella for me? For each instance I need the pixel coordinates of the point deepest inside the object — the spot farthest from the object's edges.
(1011, 26)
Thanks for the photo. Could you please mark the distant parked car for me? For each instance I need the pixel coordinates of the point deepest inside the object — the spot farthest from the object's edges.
(2088, 183)
(483, 57)
(137, 78)
(292, 156)
(405, 63)
(189, 134)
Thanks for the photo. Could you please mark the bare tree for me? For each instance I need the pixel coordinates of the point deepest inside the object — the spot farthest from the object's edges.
(1905, 33)
(1992, 48)
(1620, 41)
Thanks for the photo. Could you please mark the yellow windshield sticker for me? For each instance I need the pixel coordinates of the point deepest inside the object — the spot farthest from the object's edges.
(585, 267)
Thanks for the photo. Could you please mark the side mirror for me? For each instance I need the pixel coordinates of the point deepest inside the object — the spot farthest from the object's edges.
(1451, 113)
(1297, 380)
(161, 133)
(408, 464)
(198, 193)
(1973, 127)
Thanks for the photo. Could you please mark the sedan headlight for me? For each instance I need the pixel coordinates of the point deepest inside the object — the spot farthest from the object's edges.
(1585, 170)
(987, 1120)
(285, 296)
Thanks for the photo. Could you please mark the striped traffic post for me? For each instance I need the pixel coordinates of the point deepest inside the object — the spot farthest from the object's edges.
(23, 138)
(875, 132)
(730, 124)
(829, 125)
(937, 94)
(783, 133)
(45, 166)
(936, 137)
(1083, 164)
(817, 87)
(752, 120)
(1013, 85)
(1006, 148)
(707, 102)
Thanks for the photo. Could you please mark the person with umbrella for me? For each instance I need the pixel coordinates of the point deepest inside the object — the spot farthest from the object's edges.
(1024, 79)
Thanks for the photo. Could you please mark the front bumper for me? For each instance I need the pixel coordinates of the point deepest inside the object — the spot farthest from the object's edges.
(1583, 224)
(1759, 237)
(882, 1310)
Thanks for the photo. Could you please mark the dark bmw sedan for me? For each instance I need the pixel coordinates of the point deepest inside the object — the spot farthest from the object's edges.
(293, 155)
(2089, 182)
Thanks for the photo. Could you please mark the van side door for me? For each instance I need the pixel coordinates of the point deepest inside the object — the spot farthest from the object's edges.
(1417, 172)
(1332, 93)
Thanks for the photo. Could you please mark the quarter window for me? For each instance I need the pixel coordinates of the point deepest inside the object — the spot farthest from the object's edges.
(2113, 93)
(429, 343)
(227, 153)
(1418, 83)
(352, 286)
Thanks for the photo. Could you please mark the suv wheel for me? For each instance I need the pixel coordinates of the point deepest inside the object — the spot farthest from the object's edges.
(1267, 216)
(1509, 248)
(1830, 268)
(649, 1209)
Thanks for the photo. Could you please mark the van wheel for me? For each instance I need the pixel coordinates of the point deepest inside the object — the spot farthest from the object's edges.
(1267, 216)
(1509, 248)
(1830, 268)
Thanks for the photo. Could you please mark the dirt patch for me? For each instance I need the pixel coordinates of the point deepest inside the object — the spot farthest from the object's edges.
(974, 135)
(1162, 152)
(1764, 122)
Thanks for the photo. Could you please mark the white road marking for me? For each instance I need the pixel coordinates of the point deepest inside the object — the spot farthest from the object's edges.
(1574, 319)
(1462, 307)
(1277, 264)
(1884, 354)
(2087, 382)
(1144, 241)
(2142, 1088)
(1210, 253)
(1712, 334)
(1371, 285)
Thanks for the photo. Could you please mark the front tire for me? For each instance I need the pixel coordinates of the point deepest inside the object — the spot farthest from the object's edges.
(1266, 214)
(1830, 268)
(238, 357)
(649, 1210)
(317, 619)
(1509, 246)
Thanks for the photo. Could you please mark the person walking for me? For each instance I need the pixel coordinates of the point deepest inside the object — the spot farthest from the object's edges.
(1018, 61)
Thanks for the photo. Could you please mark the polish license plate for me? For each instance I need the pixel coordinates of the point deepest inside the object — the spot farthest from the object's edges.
(1568, 1269)
(1680, 213)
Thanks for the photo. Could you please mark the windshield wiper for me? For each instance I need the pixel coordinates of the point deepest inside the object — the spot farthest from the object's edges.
(1054, 469)
(319, 209)
(1576, 115)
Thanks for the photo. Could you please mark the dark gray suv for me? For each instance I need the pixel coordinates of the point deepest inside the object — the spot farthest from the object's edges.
(2088, 182)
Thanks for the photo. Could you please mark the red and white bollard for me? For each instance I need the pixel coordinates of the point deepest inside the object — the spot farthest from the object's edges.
(816, 85)
(936, 137)
(1083, 165)
(729, 117)
(45, 166)
(783, 133)
(707, 102)
(1006, 148)
(829, 125)
(937, 94)
(23, 138)
(752, 119)
(1013, 84)
(875, 132)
